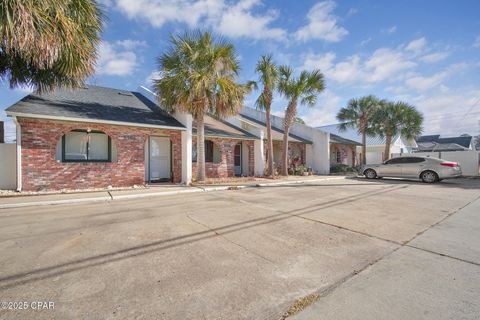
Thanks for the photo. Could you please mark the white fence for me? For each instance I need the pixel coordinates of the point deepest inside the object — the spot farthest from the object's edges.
(8, 180)
(468, 160)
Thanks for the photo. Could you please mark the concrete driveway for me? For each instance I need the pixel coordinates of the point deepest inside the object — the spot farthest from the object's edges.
(250, 254)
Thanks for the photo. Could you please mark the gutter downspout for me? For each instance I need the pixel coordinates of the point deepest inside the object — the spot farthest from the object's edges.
(19, 153)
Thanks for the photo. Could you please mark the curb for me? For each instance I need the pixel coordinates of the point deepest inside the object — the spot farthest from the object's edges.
(195, 189)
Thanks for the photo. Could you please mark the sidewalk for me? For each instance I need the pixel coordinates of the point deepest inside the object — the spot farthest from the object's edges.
(436, 276)
(152, 191)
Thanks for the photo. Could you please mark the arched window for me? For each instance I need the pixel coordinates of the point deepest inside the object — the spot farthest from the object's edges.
(86, 146)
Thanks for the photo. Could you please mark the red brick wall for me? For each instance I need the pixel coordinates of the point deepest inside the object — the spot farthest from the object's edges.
(226, 166)
(40, 170)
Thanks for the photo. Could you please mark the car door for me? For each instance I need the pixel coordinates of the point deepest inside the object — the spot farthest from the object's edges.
(391, 168)
(412, 166)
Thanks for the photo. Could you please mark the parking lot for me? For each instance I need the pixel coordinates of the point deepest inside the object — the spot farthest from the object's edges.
(367, 248)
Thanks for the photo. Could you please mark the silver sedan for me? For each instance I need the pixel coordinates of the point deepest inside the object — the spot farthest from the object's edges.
(428, 169)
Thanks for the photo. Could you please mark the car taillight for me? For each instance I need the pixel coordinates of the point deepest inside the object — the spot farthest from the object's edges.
(449, 164)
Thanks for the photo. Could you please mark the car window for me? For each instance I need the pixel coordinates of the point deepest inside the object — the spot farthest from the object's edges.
(394, 161)
(413, 160)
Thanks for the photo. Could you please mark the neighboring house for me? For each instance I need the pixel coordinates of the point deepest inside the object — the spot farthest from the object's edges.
(95, 137)
(343, 151)
(375, 145)
(433, 143)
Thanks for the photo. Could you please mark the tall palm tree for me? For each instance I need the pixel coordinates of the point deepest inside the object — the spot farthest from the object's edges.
(358, 114)
(304, 89)
(268, 76)
(397, 118)
(199, 75)
(49, 43)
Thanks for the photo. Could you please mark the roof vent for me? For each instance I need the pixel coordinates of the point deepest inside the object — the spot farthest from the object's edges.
(125, 94)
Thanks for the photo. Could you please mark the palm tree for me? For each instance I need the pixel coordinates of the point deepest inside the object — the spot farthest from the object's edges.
(268, 76)
(397, 118)
(48, 43)
(198, 75)
(358, 114)
(304, 89)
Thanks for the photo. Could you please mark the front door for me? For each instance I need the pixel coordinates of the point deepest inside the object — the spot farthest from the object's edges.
(159, 159)
(237, 157)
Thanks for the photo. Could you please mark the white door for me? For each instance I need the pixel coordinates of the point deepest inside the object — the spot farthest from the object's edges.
(159, 158)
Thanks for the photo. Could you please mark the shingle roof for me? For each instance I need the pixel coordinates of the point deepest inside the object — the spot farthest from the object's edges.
(95, 103)
(291, 135)
(337, 139)
(352, 134)
(464, 141)
(219, 128)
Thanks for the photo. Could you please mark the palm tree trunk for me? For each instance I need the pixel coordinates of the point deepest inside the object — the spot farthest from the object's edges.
(270, 170)
(285, 151)
(200, 149)
(364, 148)
(388, 144)
(289, 116)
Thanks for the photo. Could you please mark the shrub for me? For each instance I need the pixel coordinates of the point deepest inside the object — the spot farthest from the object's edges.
(341, 168)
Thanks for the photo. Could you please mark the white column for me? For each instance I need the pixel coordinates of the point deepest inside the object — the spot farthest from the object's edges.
(259, 155)
(19, 153)
(186, 120)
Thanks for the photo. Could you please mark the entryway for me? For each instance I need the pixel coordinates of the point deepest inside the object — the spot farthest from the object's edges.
(159, 159)
(237, 159)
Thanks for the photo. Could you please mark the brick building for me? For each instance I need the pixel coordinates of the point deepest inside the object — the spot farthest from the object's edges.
(96, 137)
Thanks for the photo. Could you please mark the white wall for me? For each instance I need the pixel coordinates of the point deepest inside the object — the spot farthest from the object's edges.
(468, 160)
(186, 120)
(8, 179)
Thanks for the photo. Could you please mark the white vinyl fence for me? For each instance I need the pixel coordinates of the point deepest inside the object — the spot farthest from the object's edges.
(8, 180)
(468, 160)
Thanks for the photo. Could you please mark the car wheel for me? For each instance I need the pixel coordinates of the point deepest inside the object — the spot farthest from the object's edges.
(370, 174)
(429, 177)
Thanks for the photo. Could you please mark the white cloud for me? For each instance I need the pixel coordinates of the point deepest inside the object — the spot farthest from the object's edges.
(24, 89)
(322, 24)
(421, 83)
(325, 111)
(390, 30)
(417, 45)
(435, 57)
(114, 60)
(231, 19)
(129, 44)
(365, 42)
(152, 76)
(238, 21)
(476, 43)
(450, 113)
(383, 65)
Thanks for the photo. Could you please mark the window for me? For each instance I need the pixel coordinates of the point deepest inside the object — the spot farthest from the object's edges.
(86, 146)
(212, 154)
(413, 160)
(400, 160)
(394, 161)
(338, 157)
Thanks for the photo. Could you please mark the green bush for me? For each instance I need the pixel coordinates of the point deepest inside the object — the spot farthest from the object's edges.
(341, 168)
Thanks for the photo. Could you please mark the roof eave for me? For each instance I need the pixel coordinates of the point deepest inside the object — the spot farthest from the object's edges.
(74, 119)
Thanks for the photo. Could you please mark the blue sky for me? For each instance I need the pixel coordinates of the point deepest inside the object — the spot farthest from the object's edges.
(426, 53)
